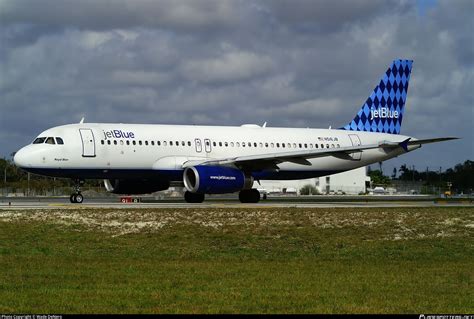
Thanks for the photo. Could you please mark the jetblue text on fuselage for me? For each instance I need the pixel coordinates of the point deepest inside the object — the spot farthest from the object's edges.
(118, 134)
(383, 112)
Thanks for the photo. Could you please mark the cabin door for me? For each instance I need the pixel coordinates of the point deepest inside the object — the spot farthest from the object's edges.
(355, 142)
(88, 143)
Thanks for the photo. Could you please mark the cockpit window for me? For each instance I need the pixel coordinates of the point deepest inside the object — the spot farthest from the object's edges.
(39, 140)
(59, 141)
(50, 140)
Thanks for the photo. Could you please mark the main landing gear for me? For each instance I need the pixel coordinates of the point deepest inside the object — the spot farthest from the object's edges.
(77, 197)
(193, 197)
(245, 196)
(249, 196)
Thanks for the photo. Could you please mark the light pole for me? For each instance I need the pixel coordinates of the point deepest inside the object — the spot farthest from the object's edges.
(5, 178)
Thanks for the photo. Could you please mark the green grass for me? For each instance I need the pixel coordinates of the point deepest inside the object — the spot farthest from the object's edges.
(233, 260)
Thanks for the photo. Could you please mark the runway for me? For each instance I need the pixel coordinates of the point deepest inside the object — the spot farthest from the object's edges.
(63, 203)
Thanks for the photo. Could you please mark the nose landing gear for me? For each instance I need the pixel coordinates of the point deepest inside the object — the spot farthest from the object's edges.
(77, 197)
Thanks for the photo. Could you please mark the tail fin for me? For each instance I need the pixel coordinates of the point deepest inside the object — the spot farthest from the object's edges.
(383, 110)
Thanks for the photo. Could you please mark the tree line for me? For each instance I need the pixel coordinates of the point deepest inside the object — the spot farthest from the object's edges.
(460, 177)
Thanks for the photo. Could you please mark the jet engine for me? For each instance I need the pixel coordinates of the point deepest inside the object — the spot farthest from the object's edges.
(215, 179)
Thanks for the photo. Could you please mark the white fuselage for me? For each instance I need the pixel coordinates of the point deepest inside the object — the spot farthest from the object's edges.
(93, 150)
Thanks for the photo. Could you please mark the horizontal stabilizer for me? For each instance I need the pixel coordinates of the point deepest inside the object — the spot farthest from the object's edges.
(431, 140)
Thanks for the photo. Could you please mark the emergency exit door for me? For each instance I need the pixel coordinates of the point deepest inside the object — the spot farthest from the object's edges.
(198, 143)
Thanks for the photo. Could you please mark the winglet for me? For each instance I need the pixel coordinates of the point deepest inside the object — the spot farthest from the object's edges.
(82, 121)
(404, 144)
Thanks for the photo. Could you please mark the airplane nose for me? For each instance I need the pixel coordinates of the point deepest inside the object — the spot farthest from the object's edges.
(20, 158)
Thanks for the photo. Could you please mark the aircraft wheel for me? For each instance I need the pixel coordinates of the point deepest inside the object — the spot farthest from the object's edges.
(249, 196)
(79, 198)
(193, 197)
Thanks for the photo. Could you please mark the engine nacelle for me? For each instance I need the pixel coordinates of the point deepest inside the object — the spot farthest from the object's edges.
(135, 186)
(215, 180)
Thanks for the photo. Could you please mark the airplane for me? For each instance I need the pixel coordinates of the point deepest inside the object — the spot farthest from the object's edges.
(145, 158)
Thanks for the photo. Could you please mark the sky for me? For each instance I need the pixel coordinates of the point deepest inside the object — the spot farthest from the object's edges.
(298, 63)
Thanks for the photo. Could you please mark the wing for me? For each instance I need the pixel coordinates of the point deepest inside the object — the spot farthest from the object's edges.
(269, 161)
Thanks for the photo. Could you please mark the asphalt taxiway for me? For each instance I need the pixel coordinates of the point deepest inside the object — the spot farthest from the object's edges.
(63, 203)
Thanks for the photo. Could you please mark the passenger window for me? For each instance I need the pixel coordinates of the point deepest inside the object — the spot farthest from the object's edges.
(59, 141)
(322, 145)
(266, 144)
(261, 144)
(134, 143)
(278, 145)
(183, 143)
(327, 145)
(153, 143)
(171, 143)
(128, 142)
(189, 143)
(140, 142)
(249, 144)
(311, 145)
(283, 145)
(146, 142)
(158, 143)
(39, 140)
(121, 142)
(115, 142)
(338, 145)
(255, 144)
(332, 145)
(220, 143)
(164, 143)
(177, 143)
(316, 145)
(232, 144)
(243, 144)
(108, 142)
(50, 140)
(226, 144)
(294, 145)
(214, 144)
(102, 142)
(305, 145)
(301, 146)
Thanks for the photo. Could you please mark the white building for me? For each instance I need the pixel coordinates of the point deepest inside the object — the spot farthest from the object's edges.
(351, 182)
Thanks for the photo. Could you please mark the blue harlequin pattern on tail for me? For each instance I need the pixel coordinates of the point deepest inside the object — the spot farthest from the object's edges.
(383, 110)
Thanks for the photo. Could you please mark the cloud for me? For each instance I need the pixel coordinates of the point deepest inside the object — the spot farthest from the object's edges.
(119, 14)
(331, 16)
(290, 63)
(228, 67)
